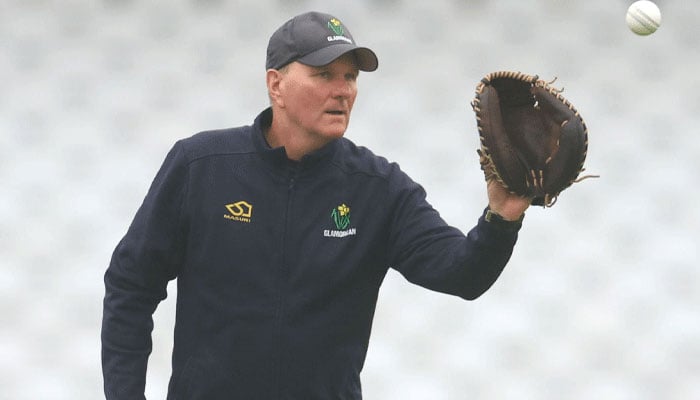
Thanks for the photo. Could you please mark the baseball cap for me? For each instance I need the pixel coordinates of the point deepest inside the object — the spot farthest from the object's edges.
(315, 39)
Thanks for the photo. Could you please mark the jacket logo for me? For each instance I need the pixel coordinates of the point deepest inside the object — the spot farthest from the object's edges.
(241, 211)
(341, 218)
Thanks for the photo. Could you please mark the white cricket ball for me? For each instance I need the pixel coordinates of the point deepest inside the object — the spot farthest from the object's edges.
(643, 17)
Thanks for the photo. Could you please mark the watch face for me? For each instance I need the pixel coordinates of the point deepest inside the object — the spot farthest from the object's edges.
(497, 218)
(492, 216)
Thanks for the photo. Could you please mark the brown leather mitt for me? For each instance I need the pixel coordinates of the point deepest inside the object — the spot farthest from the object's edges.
(533, 141)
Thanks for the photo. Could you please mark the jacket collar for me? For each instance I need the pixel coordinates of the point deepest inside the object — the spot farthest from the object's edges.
(278, 155)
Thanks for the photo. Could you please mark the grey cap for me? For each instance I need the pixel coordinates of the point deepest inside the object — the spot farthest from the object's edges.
(315, 39)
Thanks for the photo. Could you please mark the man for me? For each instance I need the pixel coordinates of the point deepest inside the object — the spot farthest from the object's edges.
(279, 235)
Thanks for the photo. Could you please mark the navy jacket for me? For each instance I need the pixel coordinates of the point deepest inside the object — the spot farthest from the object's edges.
(278, 267)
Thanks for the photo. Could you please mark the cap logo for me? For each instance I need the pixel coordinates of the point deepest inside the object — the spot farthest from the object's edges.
(335, 26)
(339, 33)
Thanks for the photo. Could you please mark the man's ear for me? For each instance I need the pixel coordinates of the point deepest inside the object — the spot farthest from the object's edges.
(274, 83)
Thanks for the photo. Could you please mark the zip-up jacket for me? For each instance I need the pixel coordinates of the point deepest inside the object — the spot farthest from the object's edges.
(278, 266)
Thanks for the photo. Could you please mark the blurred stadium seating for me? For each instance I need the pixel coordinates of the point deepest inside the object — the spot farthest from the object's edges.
(600, 300)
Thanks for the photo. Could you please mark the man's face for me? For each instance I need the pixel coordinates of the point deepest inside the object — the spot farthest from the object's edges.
(318, 100)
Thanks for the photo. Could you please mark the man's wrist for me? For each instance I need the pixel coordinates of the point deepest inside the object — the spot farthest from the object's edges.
(492, 216)
(497, 219)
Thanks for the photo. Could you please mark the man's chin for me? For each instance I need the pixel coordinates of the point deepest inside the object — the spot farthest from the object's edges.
(335, 131)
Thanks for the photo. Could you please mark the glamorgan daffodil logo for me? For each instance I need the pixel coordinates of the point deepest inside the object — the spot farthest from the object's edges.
(341, 216)
(335, 25)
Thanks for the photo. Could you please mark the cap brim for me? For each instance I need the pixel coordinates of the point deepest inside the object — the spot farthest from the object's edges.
(366, 59)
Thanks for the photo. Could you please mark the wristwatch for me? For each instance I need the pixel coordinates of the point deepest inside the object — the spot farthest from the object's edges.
(495, 218)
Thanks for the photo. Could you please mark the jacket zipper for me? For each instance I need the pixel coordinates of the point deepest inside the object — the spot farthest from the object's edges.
(284, 277)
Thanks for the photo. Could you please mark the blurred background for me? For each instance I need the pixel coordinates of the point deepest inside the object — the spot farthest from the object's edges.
(600, 299)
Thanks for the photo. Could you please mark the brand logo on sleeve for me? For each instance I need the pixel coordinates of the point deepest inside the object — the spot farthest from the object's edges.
(240, 211)
(341, 219)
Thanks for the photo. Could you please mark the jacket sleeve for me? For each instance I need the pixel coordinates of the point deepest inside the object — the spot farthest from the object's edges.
(430, 253)
(136, 280)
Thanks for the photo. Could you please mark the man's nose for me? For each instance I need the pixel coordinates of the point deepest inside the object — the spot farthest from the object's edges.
(343, 88)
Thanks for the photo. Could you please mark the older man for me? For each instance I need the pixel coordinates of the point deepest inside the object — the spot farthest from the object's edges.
(279, 235)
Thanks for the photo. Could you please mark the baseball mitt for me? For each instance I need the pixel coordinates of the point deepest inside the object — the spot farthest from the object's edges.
(533, 141)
